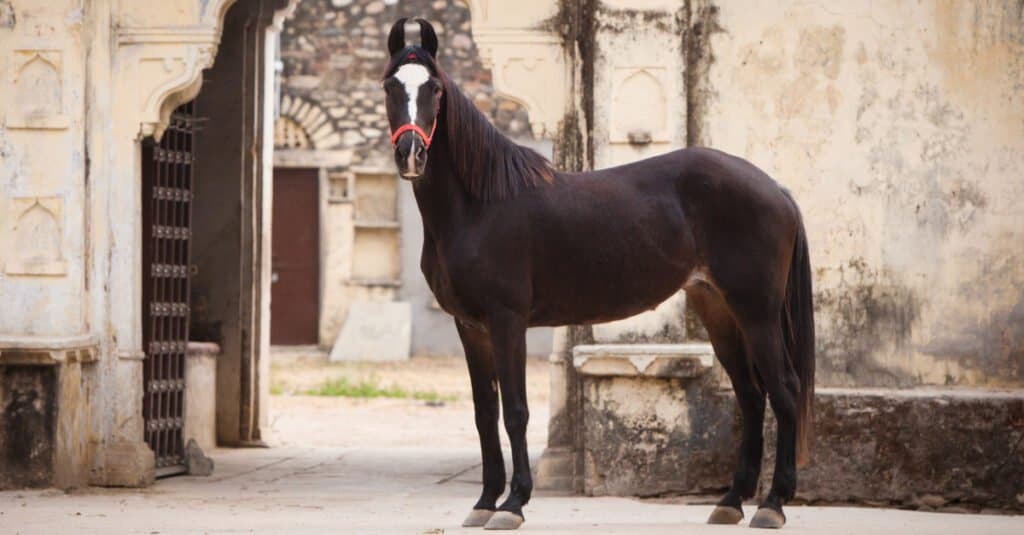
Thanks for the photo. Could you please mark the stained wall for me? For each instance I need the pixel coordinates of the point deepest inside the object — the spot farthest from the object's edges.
(899, 127)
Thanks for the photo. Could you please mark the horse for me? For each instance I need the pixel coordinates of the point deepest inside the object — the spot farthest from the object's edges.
(509, 243)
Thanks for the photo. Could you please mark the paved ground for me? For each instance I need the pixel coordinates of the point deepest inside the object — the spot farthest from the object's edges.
(386, 466)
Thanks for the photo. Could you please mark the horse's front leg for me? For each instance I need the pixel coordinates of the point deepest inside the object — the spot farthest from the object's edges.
(508, 341)
(484, 379)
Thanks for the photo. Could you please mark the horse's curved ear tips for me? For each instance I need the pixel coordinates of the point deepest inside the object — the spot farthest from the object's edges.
(428, 37)
(396, 37)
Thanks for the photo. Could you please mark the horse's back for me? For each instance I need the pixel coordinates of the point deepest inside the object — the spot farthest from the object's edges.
(646, 226)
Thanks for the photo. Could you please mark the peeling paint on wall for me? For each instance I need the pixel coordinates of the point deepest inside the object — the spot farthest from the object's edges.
(899, 128)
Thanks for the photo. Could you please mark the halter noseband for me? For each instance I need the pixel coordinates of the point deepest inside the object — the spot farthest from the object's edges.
(411, 126)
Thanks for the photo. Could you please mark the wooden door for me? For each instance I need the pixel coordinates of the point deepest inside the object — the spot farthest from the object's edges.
(295, 279)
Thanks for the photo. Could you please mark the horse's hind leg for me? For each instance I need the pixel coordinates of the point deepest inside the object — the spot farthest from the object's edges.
(484, 377)
(729, 348)
(764, 340)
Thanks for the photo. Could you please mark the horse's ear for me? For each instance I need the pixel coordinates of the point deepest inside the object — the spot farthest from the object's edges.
(396, 38)
(428, 39)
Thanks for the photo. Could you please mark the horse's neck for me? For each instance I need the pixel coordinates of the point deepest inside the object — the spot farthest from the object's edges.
(442, 201)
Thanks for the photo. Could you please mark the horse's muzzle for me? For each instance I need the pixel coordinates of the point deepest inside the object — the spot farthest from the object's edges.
(410, 155)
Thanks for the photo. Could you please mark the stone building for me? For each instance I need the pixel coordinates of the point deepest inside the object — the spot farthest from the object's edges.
(135, 144)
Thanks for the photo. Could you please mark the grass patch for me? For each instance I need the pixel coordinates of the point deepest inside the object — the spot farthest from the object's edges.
(371, 388)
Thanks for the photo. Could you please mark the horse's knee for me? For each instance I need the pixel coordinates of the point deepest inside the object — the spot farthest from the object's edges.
(516, 419)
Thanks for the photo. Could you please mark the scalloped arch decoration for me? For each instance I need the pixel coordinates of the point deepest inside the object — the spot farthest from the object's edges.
(170, 60)
(527, 63)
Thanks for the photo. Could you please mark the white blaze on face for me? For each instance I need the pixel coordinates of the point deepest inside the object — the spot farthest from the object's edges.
(412, 76)
(411, 162)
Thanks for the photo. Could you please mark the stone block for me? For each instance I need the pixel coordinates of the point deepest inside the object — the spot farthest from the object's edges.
(45, 405)
(923, 448)
(28, 414)
(126, 463)
(196, 462)
(644, 435)
(375, 332)
(201, 394)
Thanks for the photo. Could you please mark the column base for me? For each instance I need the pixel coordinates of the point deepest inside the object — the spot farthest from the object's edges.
(126, 464)
(555, 470)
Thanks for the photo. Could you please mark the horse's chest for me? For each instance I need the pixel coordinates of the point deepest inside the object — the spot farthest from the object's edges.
(450, 297)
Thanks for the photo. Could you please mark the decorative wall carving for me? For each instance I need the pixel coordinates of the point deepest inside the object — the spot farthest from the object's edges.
(37, 237)
(528, 65)
(168, 61)
(38, 83)
(639, 84)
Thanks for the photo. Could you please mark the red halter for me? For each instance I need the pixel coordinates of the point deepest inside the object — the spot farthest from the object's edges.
(415, 128)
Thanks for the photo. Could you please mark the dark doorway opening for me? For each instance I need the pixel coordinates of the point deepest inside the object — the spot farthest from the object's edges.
(295, 257)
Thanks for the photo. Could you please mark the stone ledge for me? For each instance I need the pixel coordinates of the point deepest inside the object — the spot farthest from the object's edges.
(47, 351)
(202, 349)
(923, 448)
(647, 360)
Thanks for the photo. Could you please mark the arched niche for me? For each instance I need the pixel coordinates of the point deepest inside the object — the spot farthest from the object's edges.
(37, 237)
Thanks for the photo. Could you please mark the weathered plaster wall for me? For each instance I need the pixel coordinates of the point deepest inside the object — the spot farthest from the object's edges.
(333, 52)
(899, 127)
(42, 101)
(81, 85)
(639, 110)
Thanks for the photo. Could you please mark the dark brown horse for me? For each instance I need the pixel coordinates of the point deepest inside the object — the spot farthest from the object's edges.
(510, 243)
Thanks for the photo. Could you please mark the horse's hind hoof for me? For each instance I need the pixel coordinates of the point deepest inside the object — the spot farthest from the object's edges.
(504, 520)
(766, 518)
(723, 514)
(477, 518)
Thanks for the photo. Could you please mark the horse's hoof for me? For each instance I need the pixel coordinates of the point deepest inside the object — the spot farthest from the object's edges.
(477, 518)
(504, 520)
(767, 518)
(723, 514)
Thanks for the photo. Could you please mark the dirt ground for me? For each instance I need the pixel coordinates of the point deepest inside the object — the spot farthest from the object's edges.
(293, 414)
(295, 372)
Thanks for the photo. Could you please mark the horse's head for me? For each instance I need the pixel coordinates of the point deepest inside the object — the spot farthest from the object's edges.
(414, 89)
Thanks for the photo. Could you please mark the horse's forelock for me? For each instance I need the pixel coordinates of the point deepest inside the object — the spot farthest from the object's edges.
(412, 54)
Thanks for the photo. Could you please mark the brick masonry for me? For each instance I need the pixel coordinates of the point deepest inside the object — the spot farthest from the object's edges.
(334, 52)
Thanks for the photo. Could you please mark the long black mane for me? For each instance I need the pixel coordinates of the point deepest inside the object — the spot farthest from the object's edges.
(489, 165)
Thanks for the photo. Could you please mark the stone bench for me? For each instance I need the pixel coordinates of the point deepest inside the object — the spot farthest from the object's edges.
(661, 419)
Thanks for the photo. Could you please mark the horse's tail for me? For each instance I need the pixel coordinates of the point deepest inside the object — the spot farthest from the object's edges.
(798, 329)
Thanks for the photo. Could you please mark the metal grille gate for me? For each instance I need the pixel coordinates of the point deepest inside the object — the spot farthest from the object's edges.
(167, 219)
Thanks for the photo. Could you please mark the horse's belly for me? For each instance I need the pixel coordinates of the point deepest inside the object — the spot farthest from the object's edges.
(607, 292)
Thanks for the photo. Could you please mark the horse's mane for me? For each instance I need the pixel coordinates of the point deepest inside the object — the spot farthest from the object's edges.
(489, 165)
